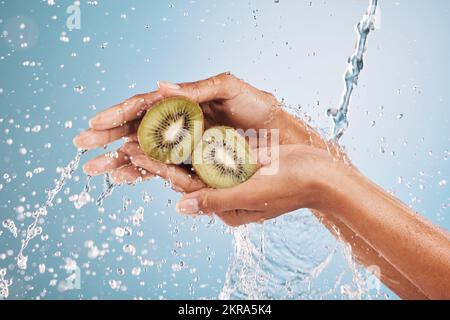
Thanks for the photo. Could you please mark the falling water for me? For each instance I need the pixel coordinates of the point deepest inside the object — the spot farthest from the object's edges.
(303, 245)
(354, 68)
(4, 284)
(33, 229)
(108, 189)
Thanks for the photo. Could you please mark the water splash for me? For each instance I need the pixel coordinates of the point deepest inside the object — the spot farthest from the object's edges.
(108, 189)
(33, 229)
(280, 259)
(11, 226)
(354, 68)
(4, 285)
(84, 197)
(298, 248)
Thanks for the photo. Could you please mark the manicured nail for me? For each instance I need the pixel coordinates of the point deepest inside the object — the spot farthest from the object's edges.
(188, 206)
(77, 141)
(83, 140)
(168, 85)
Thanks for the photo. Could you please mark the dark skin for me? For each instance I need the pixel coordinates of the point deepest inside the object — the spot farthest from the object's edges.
(413, 255)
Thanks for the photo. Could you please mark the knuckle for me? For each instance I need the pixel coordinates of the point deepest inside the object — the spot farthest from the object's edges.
(171, 173)
(192, 185)
(230, 84)
(207, 203)
(195, 91)
(270, 97)
(138, 97)
(228, 76)
(139, 160)
(228, 79)
(127, 148)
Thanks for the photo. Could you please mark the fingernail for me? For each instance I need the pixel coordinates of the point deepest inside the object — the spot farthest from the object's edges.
(91, 122)
(188, 206)
(83, 140)
(77, 141)
(168, 85)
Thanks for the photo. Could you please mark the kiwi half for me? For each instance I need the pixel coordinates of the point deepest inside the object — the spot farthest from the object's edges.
(223, 158)
(170, 130)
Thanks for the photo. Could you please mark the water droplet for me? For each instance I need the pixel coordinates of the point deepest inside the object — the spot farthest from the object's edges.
(22, 262)
(10, 225)
(79, 89)
(83, 199)
(136, 271)
(119, 232)
(114, 284)
(36, 129)
(147, 198)
(42, 268)
(138, 217)
(129, 249)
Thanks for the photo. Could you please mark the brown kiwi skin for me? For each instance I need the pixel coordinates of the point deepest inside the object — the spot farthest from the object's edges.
(149, 114)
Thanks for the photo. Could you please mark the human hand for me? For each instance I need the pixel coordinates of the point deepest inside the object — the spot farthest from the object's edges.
(225, 100)
(288, 179)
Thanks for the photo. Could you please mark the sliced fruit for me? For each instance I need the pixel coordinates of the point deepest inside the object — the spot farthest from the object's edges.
(170, 130)
(223, 158)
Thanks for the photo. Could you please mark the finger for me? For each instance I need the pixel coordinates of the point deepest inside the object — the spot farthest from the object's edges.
(180, 178)
(106, 163)
(129, 174)
(124, 112)
(207, 201)
(92, 139)
(237, 218)
(222, 86)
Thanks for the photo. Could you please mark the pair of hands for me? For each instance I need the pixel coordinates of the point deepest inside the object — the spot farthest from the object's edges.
(302, 159)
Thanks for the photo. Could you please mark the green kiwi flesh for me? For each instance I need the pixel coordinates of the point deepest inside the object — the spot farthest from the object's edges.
(223, 158)
(170, 130)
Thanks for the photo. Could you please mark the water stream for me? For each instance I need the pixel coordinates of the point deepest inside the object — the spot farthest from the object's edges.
(354, 68)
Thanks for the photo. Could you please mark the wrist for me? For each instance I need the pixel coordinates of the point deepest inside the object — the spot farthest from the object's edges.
(336, 184)
(292, 130)
(296, 131)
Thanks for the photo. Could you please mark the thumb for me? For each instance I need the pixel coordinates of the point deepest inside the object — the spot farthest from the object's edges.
(208, 201)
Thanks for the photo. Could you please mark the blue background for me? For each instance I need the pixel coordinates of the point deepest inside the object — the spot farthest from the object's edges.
(296, 49)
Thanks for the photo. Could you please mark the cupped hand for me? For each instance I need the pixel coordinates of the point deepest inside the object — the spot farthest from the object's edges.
(287, 179)
(225, 100)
